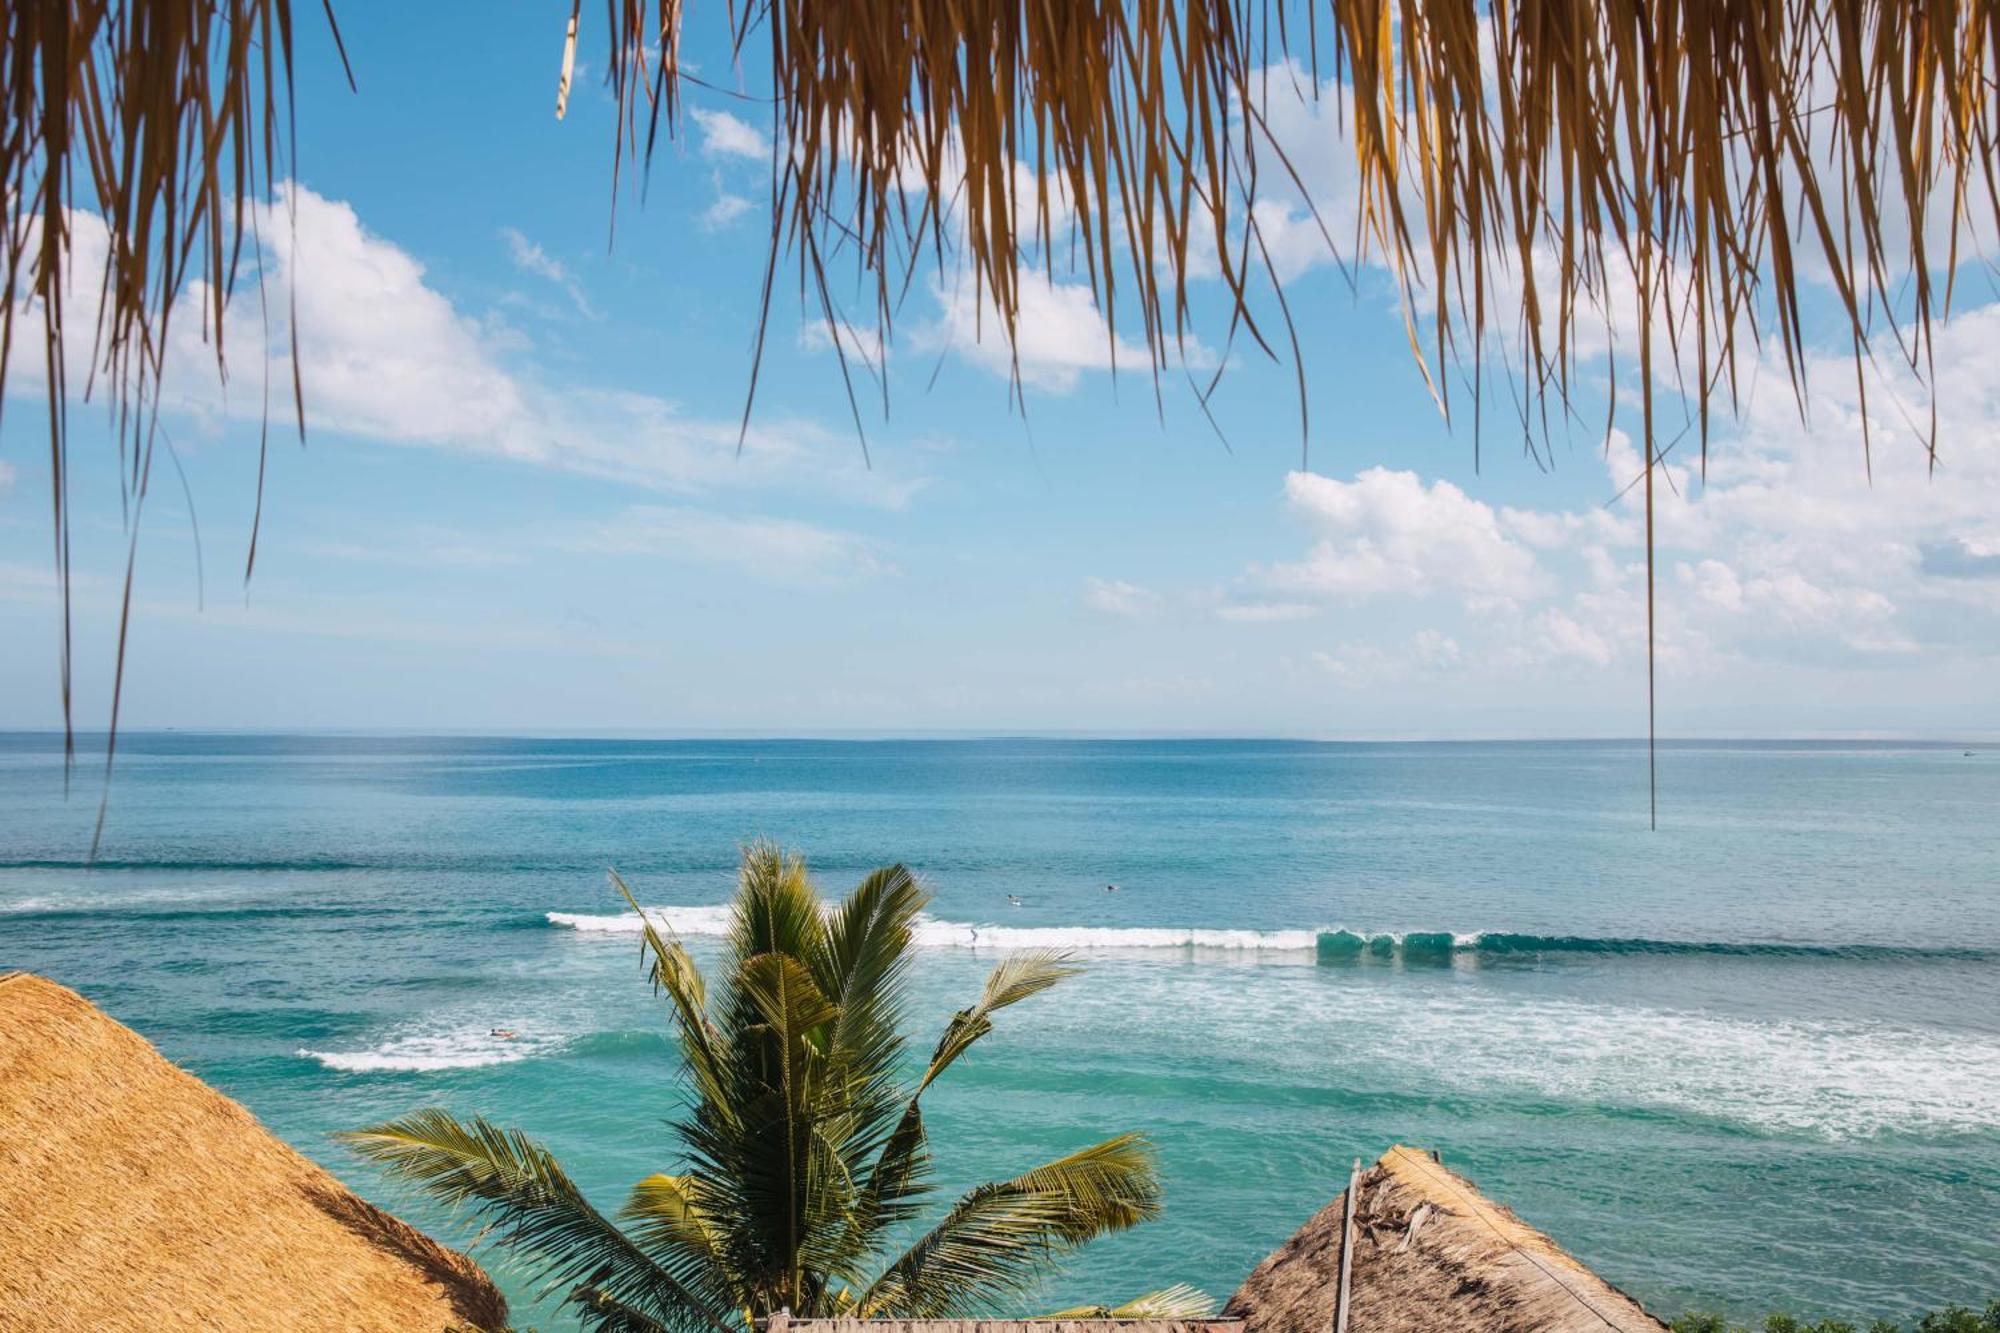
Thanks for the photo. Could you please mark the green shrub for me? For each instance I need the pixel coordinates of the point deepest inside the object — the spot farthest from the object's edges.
(1951, 1319)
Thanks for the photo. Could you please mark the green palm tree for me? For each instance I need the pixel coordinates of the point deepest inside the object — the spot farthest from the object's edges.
(803, 1146)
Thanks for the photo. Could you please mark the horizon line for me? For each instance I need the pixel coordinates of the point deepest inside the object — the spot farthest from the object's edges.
(883, 734)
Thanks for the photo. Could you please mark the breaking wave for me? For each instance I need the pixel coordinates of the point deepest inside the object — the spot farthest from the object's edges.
(1328, 944)
(422, 1053)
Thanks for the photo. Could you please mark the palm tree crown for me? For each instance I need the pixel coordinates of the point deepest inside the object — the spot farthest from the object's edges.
(803, 1147)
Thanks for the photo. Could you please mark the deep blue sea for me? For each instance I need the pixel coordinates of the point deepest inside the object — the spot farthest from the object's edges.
(1750, 1059)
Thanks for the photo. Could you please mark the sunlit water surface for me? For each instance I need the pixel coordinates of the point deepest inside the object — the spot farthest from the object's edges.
(1752, 1058)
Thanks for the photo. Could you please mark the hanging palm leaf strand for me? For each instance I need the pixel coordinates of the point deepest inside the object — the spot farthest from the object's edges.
(1518, 162)
(1520, 159)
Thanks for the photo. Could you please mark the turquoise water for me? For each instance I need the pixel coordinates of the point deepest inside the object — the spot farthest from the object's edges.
(1751, 1059)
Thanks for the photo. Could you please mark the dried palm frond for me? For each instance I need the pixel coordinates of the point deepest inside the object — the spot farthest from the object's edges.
(161, 119)
(1705, 151)
(1515, 154)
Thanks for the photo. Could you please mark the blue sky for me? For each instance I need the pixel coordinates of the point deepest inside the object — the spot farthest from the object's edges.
(521, 506)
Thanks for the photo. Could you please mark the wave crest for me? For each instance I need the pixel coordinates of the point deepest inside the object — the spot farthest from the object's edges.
(424, 1053)
(1326, 943)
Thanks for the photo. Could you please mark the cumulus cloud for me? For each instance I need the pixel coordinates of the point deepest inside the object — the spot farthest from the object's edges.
(725, 208)
(385, 355)
(1807, 544)
(1059, 335)
(1386, 533)
(1428, 652)
(724, 135)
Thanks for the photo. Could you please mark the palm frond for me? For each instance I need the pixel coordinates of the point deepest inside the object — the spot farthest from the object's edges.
(996, 1238)
(777, 909)
(515, 1183)
(666, 1218)
(1012, 980)
(787, 997)
(1179, 1301)
(601, 1312)
(866, 958)
(899, 1178)
(673, 972)
(1020, 975)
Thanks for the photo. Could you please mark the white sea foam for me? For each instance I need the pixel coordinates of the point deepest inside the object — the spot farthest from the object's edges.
(427, 1052)
(935, 934)
(1834, 1079)
(127, 899)
(712, 920)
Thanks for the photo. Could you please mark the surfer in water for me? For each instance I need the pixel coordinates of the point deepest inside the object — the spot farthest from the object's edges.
(1014, 898)
(505, 1034)
(1111, 888)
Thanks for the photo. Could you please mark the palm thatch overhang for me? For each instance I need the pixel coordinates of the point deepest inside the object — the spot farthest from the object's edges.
(1430, 1254)
(135, 1197)
(1516, 161)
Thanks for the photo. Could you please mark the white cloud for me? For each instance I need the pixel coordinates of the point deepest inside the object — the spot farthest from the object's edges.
(1787, 556)
(21, 581)
(725, 209)
(382, 352)
(1116, 597)
(531, 258)
(775, 550)
(862, 345)
(385, 355)
(1556, 634)
(724, 135)
(1428, 652)
(1059, 334)
(1388, 534)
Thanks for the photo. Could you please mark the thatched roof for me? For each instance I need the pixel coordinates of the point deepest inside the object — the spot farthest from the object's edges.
(1430, 1254)
(134, 1196)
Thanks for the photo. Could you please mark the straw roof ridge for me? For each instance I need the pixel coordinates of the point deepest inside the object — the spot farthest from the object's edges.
(136, 1197)
(1430, 1254)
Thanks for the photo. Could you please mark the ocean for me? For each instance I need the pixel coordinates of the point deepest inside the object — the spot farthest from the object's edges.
(1750, 1060)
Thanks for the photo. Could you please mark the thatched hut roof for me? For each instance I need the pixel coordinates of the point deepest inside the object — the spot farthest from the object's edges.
(1430, 1255)
(134, 1196)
